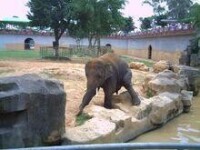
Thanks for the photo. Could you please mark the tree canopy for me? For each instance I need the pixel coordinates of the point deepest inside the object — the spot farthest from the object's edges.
(170, 9)
(96, 18)
(51, 13)
(149, 22)
(178, 9)
(195, 15)
(128, 25)
(145, 22)
(157, 5)
(175, 9)
(83, 18)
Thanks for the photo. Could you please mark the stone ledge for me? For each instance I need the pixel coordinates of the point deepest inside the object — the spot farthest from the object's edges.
(119, 126)
(127, 121)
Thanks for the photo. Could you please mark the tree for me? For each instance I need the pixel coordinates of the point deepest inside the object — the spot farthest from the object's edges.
(145, 22)
(178, 9)
(51, 13)
(96, 18)
(157, 5)
(160, 13)
(128, 25)
(82, 15)
(195, 15)
(175, 9)
(2, 25)
(158, 20)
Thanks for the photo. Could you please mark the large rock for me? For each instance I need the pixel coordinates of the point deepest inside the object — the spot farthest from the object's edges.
(187, 97)
(126, 121)
(165, 106)
(32, 111)
(193, 78)
(162, 65)
(91, 132)
(138, 66)
(165, 81)
(195, 60)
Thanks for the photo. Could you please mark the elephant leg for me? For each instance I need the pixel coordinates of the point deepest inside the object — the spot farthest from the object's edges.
(86, 100)
(128, 86)
(108, 99)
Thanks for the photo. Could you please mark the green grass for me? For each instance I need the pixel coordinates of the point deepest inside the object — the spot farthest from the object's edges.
(19, 54)
(35, 54)
(149, 93)
(128, 59)
(81, 119)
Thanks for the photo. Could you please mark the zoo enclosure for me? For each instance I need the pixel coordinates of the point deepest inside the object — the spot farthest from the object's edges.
(74, 50)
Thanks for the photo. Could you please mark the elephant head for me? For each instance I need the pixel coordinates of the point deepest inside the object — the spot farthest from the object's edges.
(97, 72)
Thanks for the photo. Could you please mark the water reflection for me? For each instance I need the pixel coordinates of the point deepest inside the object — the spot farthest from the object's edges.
(183, 129)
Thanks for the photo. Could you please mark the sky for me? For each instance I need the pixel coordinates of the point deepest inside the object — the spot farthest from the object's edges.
(133, 8)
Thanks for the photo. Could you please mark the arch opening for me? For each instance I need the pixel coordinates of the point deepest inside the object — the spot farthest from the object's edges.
(29, 44)
(150, 52)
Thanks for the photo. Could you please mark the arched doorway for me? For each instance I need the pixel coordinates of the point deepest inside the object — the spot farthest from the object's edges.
(29, 44)
(150, 52)
(109, 46)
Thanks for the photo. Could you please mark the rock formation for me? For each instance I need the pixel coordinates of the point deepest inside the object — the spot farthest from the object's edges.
(31, 111)
(162, 65)
(125, 122)
(192, 75)
(138, 66)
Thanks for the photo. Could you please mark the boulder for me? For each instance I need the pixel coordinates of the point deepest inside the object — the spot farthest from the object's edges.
(125, 122)
(183, 83)
(193, 78)
(32, 111)
(91, 132)
(194, 60)
(167, 74)
(164, 82)
(187, 97)
(148, 78)
(167, 81)
(138, 66)
(162, 65)
(165, 106)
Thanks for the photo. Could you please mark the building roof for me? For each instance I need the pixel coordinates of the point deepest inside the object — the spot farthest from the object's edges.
(14, 19)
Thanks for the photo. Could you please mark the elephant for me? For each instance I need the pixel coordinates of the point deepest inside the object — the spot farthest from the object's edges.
(110, 73)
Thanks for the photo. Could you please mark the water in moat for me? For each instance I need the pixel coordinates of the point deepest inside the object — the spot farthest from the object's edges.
(182, 129)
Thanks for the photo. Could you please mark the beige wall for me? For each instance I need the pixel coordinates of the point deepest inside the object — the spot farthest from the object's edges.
(156, 55)
(14, 46)
(17, 46)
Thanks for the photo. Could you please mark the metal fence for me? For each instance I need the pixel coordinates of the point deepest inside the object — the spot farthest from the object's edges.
(74, 50)
(123, 146)
(49, 52)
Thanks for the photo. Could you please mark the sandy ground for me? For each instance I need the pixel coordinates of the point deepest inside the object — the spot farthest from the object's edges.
(70, 74)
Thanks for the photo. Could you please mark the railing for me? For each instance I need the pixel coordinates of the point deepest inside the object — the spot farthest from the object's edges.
(171, 30)
(49, 52)
(157, 31)
(122, 146)
(73, 50)
(25, 32)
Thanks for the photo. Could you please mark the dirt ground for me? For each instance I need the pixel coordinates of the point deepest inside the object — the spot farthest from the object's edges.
(71, 74)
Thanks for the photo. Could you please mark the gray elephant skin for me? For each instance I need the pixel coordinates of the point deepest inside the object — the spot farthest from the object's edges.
(110, 73)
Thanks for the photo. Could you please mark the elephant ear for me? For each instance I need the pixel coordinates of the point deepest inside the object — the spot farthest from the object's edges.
(108, 70)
